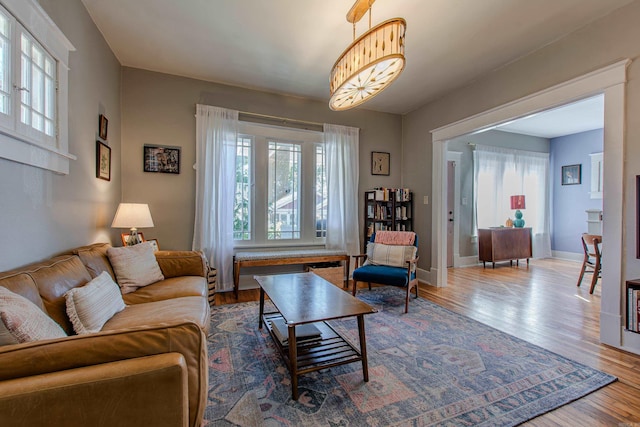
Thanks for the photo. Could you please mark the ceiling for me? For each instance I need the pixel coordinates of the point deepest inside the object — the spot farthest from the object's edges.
(289, 46)
(580, 116)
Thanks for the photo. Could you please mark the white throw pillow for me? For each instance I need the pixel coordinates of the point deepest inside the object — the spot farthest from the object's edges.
(90, 306)
(22, 321)
(391, 255)
(135, 266)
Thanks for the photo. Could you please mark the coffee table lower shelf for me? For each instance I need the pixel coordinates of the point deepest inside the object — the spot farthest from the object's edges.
(327, 351)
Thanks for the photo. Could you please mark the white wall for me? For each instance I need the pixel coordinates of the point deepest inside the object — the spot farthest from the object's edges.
(43, 213)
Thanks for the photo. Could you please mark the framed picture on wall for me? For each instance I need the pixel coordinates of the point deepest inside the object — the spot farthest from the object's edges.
(161, 159)
(103, 123)
(380, 163)
(572, 174)
(103, 161)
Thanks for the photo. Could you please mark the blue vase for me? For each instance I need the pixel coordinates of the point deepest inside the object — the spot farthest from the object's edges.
(518, 222)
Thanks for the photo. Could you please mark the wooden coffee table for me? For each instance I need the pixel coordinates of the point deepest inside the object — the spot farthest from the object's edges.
(307, 298)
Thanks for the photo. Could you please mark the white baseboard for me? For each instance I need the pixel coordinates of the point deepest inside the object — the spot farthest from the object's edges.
(465, 261)
(570, 256)
(424, 276)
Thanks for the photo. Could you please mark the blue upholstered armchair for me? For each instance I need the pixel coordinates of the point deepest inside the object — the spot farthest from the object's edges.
(389, 264)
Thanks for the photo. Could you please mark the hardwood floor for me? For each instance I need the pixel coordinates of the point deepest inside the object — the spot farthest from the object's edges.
(541, 304)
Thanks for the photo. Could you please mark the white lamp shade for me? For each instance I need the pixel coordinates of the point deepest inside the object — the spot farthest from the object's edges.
(132, 215)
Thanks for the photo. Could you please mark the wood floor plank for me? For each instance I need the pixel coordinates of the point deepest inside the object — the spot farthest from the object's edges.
(542, 305)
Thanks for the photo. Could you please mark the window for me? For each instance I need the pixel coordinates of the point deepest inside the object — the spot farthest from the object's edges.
(33, 87)
(280, 187)
(241, 209)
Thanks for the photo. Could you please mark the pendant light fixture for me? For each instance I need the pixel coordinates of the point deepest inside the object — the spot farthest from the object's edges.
(370, 63)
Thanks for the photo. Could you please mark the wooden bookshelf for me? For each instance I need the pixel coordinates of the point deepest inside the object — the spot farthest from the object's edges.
(387, 209)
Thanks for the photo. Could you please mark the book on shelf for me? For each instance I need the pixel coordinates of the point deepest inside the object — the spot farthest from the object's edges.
(633, 309)
(384, 194)
(306, 332)
(636, 323)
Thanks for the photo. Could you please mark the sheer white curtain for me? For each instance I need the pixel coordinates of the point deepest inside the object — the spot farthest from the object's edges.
(216, 135)
(342, 169)
(500, 173)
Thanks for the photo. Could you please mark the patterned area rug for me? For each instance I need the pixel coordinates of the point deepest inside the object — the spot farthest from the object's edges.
(428, 367)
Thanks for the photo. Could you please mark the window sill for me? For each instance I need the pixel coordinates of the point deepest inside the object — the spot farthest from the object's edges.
(33, 154)
(284, 246)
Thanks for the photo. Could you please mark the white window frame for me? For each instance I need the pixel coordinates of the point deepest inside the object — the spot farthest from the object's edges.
(28, 147)
(261, 134)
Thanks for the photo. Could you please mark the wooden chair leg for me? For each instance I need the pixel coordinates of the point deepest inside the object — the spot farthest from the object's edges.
(416, 288)
(355, 286)
(369, 285)
(594, 279)
(406, 300)
(584, 267)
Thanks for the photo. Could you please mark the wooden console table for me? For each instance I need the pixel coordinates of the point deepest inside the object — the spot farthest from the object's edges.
(504, 244)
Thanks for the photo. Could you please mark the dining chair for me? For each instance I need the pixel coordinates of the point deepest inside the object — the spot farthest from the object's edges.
(592, 262)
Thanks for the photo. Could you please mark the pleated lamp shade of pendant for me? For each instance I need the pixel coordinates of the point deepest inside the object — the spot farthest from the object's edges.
(368, 65)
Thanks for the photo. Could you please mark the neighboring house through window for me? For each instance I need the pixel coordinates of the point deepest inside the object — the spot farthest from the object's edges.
(281, 194)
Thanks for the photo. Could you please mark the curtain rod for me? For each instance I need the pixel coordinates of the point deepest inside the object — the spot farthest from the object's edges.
(261, 118)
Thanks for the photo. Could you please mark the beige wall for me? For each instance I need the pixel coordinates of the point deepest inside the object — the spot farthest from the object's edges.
(43, 213)
(601, 43)
(160, 109)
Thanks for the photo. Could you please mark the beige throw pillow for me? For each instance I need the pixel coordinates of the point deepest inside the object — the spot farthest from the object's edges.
(90, 306)
(391, 255)
(135, 266)
(22, 321)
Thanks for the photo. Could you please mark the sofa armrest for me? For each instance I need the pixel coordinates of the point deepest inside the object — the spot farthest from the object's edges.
(114, 393)
(182, 263)
(42, 357)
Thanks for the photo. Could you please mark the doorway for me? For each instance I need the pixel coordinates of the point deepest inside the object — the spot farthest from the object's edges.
(609, 81)
(453, 208)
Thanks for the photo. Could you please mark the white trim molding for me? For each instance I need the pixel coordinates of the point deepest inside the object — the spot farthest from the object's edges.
(610, 81)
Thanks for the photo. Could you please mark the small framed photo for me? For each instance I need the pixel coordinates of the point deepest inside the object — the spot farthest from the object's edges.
(127, 236)
(154, 244)
(103, 123)
(572, 174)
(161, 159)
(103, 161)
(380, 163)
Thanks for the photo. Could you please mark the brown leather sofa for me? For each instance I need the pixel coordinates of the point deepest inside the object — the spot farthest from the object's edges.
(147, 367)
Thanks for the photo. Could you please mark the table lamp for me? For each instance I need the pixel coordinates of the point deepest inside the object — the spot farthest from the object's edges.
(517, 202)
(132, 216)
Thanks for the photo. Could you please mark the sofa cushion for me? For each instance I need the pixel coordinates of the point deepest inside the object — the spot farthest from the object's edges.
(182, 263)
(135, 266)
(90, 306)
(175, 287)
(22, 283)
(395, 276)
(54, 278)
(94, 257)
(22, 321)
(391, 255)
(173, 311)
